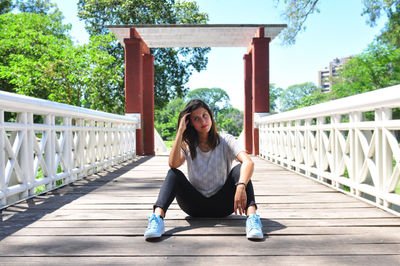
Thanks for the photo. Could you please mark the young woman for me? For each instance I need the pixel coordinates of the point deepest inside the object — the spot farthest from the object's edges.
(212, 189)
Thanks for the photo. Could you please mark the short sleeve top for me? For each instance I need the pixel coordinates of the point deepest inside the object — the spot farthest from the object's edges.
(209, 170)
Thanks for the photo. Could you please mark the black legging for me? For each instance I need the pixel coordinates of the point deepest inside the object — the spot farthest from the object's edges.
(194, 203)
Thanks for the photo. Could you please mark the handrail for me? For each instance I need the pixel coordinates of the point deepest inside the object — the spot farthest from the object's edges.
(21, 103)
(46, 144)
(387, 97)
(337, 144)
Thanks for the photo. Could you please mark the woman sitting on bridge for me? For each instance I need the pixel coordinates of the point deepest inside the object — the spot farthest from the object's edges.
(213, 188)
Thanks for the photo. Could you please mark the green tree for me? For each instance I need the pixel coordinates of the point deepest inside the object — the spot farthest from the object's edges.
(292, 97)
(6, 6)
(391, 32)
(375, 68)
(38, 58)
(230, 120)
(314, 98)
(216, 98)
(44, 7)
(166, 119)
(27, 40)
(172, 66)
(374, 8)
(274, 95)
(296, 13)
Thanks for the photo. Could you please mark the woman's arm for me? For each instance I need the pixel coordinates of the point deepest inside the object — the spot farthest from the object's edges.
(176, 158)
(246, 171)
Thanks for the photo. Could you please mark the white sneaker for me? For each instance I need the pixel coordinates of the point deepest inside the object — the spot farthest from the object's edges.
(254, 227)
(155, 228)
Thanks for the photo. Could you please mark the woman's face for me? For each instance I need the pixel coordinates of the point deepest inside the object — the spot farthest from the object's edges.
(201, 120)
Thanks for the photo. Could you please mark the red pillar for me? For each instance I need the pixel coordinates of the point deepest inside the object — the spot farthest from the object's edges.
(248, 105)
(260, 80)
(148, 104)
(134, 84)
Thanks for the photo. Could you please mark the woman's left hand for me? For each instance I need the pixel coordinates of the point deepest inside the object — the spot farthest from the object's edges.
(240, 200)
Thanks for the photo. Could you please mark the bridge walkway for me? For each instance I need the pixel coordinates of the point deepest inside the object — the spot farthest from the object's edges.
(100, 220)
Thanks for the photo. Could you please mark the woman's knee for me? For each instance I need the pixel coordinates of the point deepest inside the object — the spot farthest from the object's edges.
(175, 174)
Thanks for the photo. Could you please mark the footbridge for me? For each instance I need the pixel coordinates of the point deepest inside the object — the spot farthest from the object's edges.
(73, 190)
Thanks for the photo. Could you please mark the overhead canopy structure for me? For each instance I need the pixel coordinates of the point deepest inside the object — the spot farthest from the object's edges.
(139, 68)
(203, 35)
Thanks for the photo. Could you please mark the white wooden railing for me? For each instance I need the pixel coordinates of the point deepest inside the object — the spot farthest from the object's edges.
(44, 145)
(336, 144)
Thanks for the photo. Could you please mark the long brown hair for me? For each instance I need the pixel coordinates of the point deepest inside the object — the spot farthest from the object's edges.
(190, 135)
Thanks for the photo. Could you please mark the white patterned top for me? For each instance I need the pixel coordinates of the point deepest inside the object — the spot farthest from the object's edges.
(209, 170)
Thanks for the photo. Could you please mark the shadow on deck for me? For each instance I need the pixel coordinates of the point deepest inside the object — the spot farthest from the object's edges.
(100, 220)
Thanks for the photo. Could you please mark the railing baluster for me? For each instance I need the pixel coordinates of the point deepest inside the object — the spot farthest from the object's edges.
(367, 149)
(83, 147)
(386, 159)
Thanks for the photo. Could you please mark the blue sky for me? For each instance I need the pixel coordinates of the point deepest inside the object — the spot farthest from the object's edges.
(337, 31)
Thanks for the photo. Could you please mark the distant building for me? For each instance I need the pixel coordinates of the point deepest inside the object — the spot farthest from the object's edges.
(325, 75)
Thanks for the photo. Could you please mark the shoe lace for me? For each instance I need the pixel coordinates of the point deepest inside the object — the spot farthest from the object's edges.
(253, 222)
(153, 222)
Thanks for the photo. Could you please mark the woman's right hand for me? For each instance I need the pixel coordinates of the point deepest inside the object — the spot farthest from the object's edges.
(183, 123)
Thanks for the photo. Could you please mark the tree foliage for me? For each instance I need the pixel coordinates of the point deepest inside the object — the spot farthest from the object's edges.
(172, 66)
(38, 58)
(230, 120)
(43, 7)
(216, 98)
(391, 32)
(274, 95)
(292, 97)
(296, 13)
(166, 119)
(6, 6)
(374, 8)
(375, 68)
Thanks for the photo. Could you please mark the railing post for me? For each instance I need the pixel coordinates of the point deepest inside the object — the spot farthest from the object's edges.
(100, 151)
(263, 140)
(335, 149)
(108, 139)
(132, 139)
(297, 144)
(320, 148)
(281, 150)
(122, 142)
(30, 137)
(23, 155)
(308, 146)
(80, 151)
(50, 150)
(270, 141)
(67, 149)
(92, 146)
(355, 152)
(383, 156)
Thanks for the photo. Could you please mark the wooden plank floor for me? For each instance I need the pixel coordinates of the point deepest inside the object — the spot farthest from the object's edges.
(100, 220)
